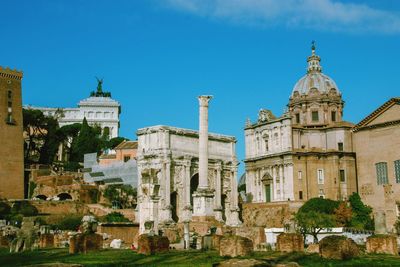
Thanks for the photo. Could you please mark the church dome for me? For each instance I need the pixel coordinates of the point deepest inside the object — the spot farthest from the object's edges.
(314, 78)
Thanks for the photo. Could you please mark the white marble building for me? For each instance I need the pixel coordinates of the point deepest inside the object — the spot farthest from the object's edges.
(168, 170)
(99, 109)
(307, 152)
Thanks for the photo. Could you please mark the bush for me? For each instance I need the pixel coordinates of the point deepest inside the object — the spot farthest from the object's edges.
(24, 208)
(5, 210)
(115, 217)
(68, 223)
(320, 205)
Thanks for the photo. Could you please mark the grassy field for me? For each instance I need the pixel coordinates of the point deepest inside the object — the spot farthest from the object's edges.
(176, 258)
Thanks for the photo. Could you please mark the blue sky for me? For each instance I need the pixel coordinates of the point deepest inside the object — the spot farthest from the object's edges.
(156, 57)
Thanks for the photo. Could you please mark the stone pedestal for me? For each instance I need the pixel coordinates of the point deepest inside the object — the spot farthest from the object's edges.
(290, 242)
(203, 203)
(149, 245)
(386, 244)
(234, 246)
(83, 243)
(338, 247)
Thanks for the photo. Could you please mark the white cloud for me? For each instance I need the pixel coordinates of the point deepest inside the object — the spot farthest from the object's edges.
(324, 15)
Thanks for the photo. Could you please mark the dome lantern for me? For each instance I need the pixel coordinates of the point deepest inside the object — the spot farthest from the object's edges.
(313, 61)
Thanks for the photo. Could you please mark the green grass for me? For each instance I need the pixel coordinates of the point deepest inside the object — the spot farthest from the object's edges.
(177, 258)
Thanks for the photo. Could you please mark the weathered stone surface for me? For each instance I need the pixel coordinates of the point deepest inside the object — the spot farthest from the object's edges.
(256, 234)
(338, 247)
(290, 242)
(152, 244)
(83, 243)
(46, 241)
(268, 215)
(233, 246)
(243, 263)
(313, 248)
(27, 237)
(288, 264)
(4, 242)
(386, 244)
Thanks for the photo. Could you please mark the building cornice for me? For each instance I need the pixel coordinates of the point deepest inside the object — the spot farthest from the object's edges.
(376, 126)
(302, 153)
(11, 74)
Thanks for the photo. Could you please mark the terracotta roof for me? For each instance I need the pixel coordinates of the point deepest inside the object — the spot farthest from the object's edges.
(373, 115)
(112, 156)
(127, 145)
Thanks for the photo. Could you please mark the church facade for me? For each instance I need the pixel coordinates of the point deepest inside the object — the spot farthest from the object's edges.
(305, 153)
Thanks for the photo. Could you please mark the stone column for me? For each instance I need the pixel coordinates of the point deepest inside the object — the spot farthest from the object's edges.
(280, 169)
(217, 200)
(234, 220)
(203, 197)
(187, 208)
(167, 197)
(203, 142)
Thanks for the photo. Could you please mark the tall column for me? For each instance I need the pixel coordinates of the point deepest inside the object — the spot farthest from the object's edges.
(167, 197)
(217, 200)
(187, 213)
(280, 169)
(234, 216)
(203, 142)
(203, 197)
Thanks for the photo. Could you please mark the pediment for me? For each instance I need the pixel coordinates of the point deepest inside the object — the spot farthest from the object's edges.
(388, 112)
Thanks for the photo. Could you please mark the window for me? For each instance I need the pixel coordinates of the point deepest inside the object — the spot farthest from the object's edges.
(381, 173)
(276, 139)
(297, 117)
(340, 146)
(300, 195)
(314, 116)
(397, 171)
(266, 144)
(342, 175)
(9, 94)
(127, 158)
(321, 193)
(333, 115)
(299, 175)
(320, 176)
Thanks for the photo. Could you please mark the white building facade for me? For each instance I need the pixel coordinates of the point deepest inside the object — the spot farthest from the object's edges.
(98, 109)
(168, 175)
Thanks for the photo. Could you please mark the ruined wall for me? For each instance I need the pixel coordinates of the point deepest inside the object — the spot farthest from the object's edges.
(268, 215)
(127, 232)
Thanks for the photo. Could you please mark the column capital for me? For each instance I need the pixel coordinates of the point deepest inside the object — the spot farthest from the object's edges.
(204, 99)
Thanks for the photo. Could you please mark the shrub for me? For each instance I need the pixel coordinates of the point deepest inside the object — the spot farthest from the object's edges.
(68, 223)
(5, 210)
(115, 217)
(320, 205)
(24, 208)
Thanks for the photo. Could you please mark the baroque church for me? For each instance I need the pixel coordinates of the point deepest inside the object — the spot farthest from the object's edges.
(305, 153)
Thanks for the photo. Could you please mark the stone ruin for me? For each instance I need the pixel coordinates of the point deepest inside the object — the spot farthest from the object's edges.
(27, 237)
(338, 247)
(87, 240)
(381, 242)
(234, 246)
(290, 242)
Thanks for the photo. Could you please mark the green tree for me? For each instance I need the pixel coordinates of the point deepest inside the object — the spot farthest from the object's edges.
(115, 217)
(321, 205)
(86, 142)
(125, 195)
(312, 222)
(361, 217)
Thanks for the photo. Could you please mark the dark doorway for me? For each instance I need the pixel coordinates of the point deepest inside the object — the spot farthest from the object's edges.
(174, 203)
(194, 183)
(64, 196)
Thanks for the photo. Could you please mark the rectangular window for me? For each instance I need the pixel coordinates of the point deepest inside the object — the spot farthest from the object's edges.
(314, 116)
(321, 193)
(299, 175)
(320, 176)
(397, 170)
(297, 117)
(301, 195)
(340, 146)
(126, 158)
(333, 115)
(381, 173)
(9, 94)
(266, 144)
(342, 176)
